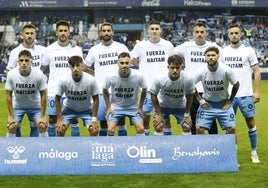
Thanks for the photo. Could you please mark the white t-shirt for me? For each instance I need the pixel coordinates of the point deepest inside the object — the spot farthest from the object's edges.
(125, 91)
(194, 56)
(26, 89)
(36, 52)
(241, 60)
(104, 58)
(152, 58)
(57, 58)
(171, 94)
(215, 84)
(78, 95)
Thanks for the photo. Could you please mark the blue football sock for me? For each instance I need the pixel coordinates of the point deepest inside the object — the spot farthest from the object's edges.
(51, 130)
(253, 137)
(75, 131)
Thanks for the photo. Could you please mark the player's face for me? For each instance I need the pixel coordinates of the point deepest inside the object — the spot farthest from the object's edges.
(124, 65)
(211, 58)
(28, 35)
(106, 33)
(62, 33)
(25, 63)
(174, 71)
(199, 35)
(154, 32)
(234, 35)
(76, 71)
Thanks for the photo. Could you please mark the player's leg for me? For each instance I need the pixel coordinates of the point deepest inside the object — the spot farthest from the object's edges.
(41, 126)
(121, 127)
(101, 117)
(12, 128)
(147, 109)
(204, 118)
(75, 130)
(248, 110)
(52, 116)
(193, 112)
(33, 129)
(138, 123)
(111, 122)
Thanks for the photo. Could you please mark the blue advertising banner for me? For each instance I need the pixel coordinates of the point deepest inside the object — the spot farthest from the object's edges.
(130, 3)
(118, 155)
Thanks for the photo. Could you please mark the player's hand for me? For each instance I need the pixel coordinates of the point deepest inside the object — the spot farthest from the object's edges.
(61, 128)
(93, 129)
(139, 111)
(109, 112)
(187, 121)
(12, 125)
(227, 105)
(41, 124)
(158, 123)
(256, 98)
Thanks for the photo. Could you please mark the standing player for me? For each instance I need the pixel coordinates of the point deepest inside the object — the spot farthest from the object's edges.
(216, 102)
(242, 58)
(194, 54)
(28, 35)
(125, 85)
(79, 89)
(56, 57)
(26, 94)
(151, 58)
(172, 94)
(103, 57)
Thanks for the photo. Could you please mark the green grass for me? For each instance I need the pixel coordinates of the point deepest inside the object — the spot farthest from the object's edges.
(249, 175)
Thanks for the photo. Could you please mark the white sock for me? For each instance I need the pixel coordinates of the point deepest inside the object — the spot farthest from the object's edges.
(186, 133)
(11, 135)
(43, 134)
(141, 134)
(158, 133)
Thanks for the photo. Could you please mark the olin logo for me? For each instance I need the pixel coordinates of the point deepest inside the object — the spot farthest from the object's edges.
(16, 151)
(145, 155)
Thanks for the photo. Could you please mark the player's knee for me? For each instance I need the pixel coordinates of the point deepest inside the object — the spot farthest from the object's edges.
(103, 124)
(230, 130)
(121, 121)
(61, 130)
(42, 127)
(200, 130)
(52, 119)
(139, 128)
(186, 128)
(93, 130)
(74, 121)
(110, 130)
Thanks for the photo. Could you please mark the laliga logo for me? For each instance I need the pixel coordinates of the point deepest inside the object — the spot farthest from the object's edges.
(16, 150)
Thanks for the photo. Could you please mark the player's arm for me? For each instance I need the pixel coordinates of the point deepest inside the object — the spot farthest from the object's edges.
(58, 108)
(135, 62)
(228, 102)
(158, 121)
(187, 118)
(9, 103)
(95, 105)
(105, 93)
(11, 122)
(201, 101)
(257, 78)
(142, 99)
(43, 95)
(87, 69)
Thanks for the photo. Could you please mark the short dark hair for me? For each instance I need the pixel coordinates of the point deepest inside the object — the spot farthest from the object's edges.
(232, 25)
(74, 60)
(107, 24)
(123, 54)
(176, 59)
(212, 48)
(154, 22)
(199, 24)
(62, 23)
(26, 53)
(29, 26)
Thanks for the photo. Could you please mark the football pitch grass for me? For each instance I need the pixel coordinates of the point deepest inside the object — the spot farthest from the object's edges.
(249, 174)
